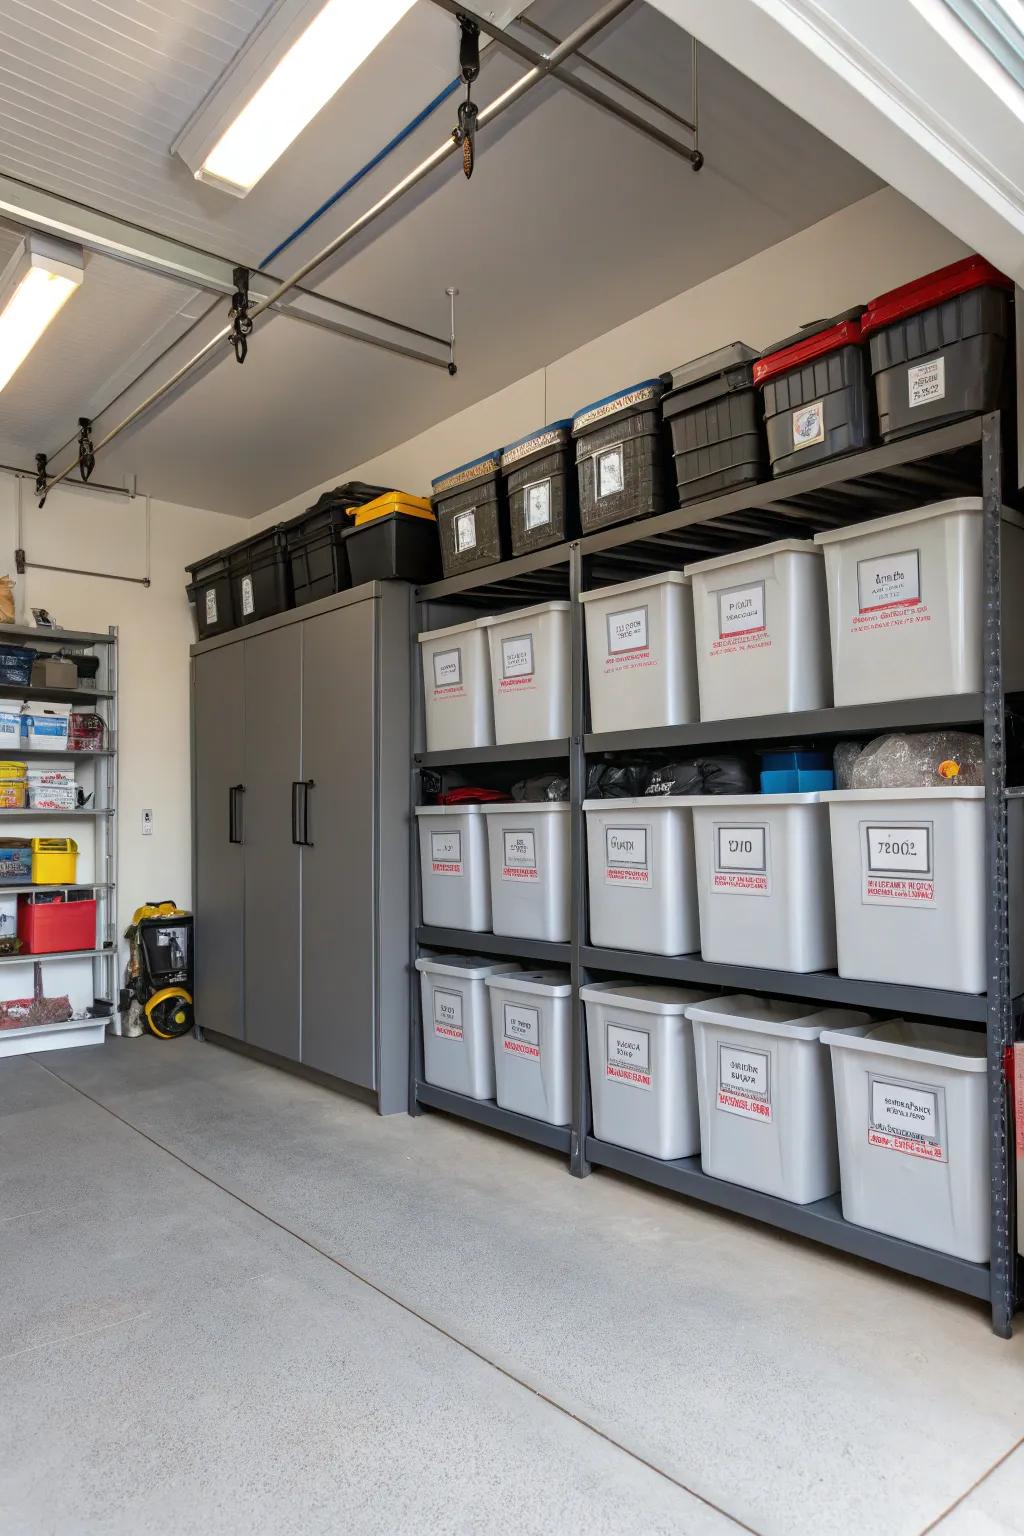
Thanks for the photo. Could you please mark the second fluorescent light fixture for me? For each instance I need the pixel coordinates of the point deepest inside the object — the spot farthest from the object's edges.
(37, 282)
(288, 71)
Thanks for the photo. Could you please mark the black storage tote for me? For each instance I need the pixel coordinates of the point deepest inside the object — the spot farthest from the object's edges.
(396, 545)
(817, 399)
(316, 541)
(713, 413)
(619, 461)
(210, 592)
(540, 481)
(940, 347)
(472, 519)
(261, 577)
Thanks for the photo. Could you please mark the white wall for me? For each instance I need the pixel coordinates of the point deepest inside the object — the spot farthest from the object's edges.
(94, 531)
(846, 259)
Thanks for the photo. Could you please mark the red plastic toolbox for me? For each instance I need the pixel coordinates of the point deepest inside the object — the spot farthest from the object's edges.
(48, 927)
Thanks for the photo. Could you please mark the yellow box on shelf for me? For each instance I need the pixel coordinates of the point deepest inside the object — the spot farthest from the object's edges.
(394, 501)
(54, 861)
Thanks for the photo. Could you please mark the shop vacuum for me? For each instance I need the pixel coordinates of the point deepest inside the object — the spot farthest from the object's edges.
(157, 991)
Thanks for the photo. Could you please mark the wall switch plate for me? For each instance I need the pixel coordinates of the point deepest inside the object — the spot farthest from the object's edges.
(147, 823)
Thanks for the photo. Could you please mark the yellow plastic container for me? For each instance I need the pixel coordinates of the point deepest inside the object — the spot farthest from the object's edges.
(394, 501)
(54, 861)
(12, 770)
(13, 794)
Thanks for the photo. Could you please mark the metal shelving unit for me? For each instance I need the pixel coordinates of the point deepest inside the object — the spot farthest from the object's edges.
(101, 816)
(964, 459)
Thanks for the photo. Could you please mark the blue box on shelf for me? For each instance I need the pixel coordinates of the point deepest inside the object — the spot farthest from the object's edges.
(796, 781)
(15, 861)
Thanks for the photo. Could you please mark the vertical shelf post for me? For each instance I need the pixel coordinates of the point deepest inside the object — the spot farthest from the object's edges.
(578, 1164)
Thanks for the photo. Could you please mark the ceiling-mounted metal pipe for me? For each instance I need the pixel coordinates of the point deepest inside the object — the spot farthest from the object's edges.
(540, 71)
(574, 83)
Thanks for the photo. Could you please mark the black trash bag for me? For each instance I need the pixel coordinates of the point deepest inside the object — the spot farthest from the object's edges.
(546, 786)
(617, 781)
(724, 774)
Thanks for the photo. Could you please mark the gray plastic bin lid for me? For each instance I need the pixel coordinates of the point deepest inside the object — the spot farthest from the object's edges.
(638, 584)
(469, 967)
(951, 507)
(469, 809)
(770, 1016)
(540, 983)
(933, 1045)
(760, 551)
(645, 997)
(710, 364)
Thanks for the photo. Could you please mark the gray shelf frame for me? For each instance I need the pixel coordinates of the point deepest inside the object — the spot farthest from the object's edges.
(516, 752)
(965, 458)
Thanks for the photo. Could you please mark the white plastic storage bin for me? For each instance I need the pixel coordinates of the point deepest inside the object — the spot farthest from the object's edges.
(642, 879)
(457, 1049)
(642, 1078)
(764, 1087)
(44, 727)
(530, 678)
(457, 687)
(764, 881)
(453, 867)
(8, 916)
(531, 1020)
(641, 658)
(908, 869)
(528, 844)
(906, 603)
(761, 621)
(912, 1113)
(10, 725)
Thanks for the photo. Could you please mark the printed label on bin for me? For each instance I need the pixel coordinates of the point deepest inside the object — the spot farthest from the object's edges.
(211, 605)
(897, 864)
(610, 477)
(908, 1118)
(626, 857)
(521, 1031)
(520, 855)
(889, 581)
(538, 505)
(46, 725)
(628, 1056)
(744, 1082)
(446, 853)
(465, 531)
(741, 859)
(627, 633)
(926, 382)
(516, 663)
(741, 611)
(809, 425)
(248, 601)
(448, 1014)
(447, 671)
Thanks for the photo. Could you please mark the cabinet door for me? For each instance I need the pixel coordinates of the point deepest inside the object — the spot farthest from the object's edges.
(218, 727)
(338, 870)
(273, 758)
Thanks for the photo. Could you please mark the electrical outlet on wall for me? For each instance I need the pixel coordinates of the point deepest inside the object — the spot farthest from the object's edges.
(147, 823)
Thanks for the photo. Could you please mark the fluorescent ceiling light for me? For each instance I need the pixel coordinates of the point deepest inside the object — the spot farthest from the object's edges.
(283, 78)
(36, 284)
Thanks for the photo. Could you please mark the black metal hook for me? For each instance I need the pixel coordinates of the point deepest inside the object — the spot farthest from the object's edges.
(86, 453)
(469, 68)
(42, 476)
(241, 324)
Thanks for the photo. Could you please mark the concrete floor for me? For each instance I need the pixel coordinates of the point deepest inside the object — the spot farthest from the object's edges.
(231, 1301)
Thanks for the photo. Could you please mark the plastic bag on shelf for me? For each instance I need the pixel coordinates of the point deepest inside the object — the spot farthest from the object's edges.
(617, 781)
(920, 760)
(544, 786)
(724, 774)
(843, 758)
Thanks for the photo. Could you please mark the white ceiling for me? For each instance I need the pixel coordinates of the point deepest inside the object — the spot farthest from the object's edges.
(572, 224)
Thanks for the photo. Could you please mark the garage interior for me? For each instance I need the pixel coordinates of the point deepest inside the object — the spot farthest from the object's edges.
(267, 1269)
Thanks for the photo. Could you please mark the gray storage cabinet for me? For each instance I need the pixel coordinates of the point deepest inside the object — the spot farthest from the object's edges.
(300, 749)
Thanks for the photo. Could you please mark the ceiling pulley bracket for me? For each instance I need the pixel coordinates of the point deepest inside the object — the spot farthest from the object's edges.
(241, 321)
(86, 453)
(42, 478)
(464, 133)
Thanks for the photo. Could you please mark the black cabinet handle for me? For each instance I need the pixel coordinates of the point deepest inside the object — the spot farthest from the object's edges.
(300, 812)
(306, 787)
(234, 818)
